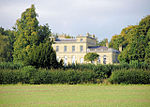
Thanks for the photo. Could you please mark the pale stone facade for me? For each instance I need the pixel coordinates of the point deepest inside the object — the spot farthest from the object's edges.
(73, 50)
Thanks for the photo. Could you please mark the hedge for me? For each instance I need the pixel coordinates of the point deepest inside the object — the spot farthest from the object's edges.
(131, 76)
(30, 75)
(10, 65)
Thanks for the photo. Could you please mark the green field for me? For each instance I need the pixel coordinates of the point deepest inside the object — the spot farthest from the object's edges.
(75, 95)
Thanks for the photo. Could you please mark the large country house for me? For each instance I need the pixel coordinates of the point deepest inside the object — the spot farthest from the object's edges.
(73, 50)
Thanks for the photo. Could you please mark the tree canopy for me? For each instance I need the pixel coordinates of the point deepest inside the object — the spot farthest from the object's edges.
(91, 57)
(135, 41)
(32, 45)
(6, 45)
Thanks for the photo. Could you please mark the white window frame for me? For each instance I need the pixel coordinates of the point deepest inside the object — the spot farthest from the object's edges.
(65, 60)
(57, 48)
(73, 59)
(81, 48)
(73, 48)
(65, 48)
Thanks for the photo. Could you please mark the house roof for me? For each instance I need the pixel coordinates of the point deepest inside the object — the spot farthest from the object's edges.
(97, 47)
(101, 49)
(65, 40)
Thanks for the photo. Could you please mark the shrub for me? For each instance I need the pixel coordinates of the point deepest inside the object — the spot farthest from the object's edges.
(60, 76)
(9, 76)
(30, 75)
(27, 74)
(10, 65)
(131, 76)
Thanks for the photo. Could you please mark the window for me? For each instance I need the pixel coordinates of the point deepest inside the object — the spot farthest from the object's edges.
(81, 60)
(73, 48)
(81, 40)
(104, 59)
(73, 60)
(99, 60)
(65, 48)
(81, 48)
(57, 48)
(65, 60)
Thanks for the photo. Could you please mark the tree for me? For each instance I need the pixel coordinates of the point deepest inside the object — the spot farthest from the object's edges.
(102, 42)
(26, 34)
(6, 45)
(32, 45)
(137, 42)
(91, 57)
(147, 52)
(42, 56)
(116, 40)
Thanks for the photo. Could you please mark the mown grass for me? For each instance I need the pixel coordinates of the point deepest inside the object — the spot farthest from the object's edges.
(88, 95)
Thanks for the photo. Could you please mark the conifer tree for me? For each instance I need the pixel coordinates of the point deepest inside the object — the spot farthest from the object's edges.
(26, 34)
(32, 45)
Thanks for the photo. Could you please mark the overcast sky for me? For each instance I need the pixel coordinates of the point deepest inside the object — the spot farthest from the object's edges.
(104, 18)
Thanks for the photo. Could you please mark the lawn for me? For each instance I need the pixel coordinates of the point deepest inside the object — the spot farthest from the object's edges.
(75, 95)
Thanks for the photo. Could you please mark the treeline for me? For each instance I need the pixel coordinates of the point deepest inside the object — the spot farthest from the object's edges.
(135, 41)
(28, 43)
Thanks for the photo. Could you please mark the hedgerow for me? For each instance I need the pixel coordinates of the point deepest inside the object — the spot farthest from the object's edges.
(10, 65)
(72, 74)
(30, 75)
(131, 76)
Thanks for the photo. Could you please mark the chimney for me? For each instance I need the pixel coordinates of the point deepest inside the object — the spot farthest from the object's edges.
(107, 43)
(120, 48)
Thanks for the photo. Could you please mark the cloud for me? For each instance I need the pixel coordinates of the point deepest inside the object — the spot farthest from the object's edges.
(101, 17)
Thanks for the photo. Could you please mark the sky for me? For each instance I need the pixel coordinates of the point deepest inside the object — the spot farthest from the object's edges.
(104, 18)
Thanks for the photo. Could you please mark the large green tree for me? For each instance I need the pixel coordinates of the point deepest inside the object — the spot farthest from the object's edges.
(116, 41)
(91, 57)
(6, 45)
(32, 45)
(136, 40)
(26, 34)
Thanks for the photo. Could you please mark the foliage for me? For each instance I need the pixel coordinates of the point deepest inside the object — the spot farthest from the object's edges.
(131, 76)
(102, 42)
(32, 45)
(30, 75)
(116, 41)
(91, 57)
(6, 45)
(135, 42)
(10, 65)
(71, 74)
(43, 56)
(26, 34)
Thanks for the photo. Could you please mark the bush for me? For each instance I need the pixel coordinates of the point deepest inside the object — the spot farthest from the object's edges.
(131, 76)
(10, 65)
(63, 77)
(30, 75)
(9, 76)
(27, 74)
(24, 75)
